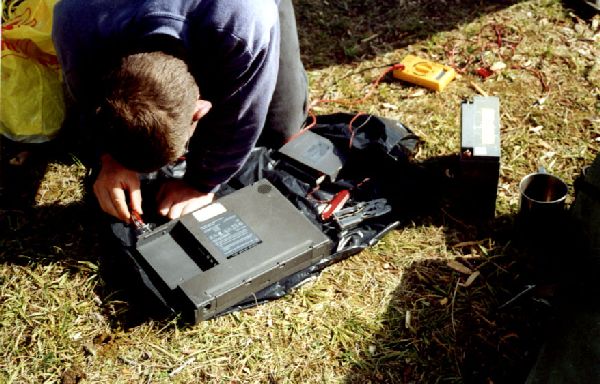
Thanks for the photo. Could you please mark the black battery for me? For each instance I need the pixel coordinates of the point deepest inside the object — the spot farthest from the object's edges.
(479, 160)
(311, 158)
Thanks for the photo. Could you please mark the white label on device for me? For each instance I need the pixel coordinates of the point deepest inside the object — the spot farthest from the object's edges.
(209, 212)
(488, 120)
(480, 151)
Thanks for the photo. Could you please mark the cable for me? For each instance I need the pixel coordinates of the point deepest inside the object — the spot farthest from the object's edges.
(352, 130)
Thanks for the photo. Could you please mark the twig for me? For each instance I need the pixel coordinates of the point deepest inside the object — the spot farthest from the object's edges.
(468, 243)
(454, 218)
(452, 306)
(182, 366)
(161, 349)
(528, 288)
(478, 89)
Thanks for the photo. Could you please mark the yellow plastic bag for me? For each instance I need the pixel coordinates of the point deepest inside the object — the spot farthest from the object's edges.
(32, 106)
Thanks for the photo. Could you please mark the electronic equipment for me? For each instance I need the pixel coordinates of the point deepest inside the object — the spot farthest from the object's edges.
(425, 73)
(312, 158)
(479, 164)
(209, 260)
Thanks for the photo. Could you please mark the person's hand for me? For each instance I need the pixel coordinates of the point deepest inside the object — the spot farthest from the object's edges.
(110, 187)
(176, 198)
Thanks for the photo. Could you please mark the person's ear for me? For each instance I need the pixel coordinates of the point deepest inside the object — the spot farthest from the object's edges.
(202, 108)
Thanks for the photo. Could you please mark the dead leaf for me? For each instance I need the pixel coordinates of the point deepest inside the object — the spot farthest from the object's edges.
(459, 267)
(418, 93)
(498, 66)
(546, 145)
(366, 39)
(471, 278)
(89, 349)
(536, 129)
(72, 375)
(408, 320)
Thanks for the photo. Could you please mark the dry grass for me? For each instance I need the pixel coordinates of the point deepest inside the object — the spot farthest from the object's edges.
(399, 312)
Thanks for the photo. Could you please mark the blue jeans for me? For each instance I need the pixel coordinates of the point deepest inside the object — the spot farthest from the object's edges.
(288, 108)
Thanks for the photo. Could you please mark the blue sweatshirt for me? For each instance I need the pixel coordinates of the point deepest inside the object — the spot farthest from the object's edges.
(232, 48)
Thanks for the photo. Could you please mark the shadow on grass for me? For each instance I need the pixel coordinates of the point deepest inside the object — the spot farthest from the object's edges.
(47, 234)
(40, 233)
(440, 328)
(74, 235)
(355, 30)
(349, 31)
(476, 319)
(482, 317)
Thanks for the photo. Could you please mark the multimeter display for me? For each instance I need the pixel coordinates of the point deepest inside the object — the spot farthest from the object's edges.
(425, 73)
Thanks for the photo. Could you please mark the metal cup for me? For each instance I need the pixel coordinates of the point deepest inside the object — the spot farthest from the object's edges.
(542, 211)
(542, 194)
(542, 222)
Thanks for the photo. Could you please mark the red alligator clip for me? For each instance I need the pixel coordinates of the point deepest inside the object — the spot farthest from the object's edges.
(335, 204)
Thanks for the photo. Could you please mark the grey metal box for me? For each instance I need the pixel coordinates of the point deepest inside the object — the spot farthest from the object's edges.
(211, 259)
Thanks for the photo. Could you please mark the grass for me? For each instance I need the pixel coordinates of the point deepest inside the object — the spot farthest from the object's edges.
(419, 306)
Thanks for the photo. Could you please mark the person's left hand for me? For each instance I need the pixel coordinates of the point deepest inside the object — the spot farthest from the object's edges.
(176, 198)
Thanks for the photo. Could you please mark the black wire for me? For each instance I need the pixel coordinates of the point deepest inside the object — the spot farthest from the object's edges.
(364, 70)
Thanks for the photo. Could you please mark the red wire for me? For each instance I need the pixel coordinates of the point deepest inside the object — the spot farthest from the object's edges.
(347, 102)
(500, 43)
(352, 131)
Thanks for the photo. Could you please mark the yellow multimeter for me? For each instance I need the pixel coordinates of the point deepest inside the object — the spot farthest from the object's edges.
(425, 73)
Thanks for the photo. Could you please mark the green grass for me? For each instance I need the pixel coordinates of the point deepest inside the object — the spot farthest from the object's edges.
(397, 312)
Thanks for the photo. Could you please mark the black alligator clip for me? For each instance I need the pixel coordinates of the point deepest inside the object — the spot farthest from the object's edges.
(351, 217)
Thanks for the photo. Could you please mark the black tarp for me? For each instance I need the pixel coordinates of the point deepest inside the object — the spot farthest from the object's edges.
(376, 153)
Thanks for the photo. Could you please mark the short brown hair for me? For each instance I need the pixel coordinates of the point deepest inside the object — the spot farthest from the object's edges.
(145, 117)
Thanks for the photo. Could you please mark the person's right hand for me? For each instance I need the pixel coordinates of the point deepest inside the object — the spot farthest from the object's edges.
(110, 187)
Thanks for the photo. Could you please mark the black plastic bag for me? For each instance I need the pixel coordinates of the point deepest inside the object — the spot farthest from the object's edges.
(376, 152)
